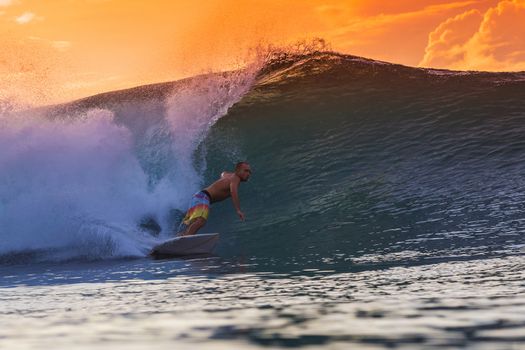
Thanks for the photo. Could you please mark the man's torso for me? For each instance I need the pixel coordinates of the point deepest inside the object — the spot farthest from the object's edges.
(220, 189)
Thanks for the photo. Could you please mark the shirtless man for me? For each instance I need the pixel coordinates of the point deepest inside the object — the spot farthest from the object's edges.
(221, 189)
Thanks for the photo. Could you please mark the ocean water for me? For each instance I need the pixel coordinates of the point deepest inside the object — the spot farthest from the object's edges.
(386, 210)
(212, 303)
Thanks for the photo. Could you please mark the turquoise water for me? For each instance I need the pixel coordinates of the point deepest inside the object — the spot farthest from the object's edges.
(385, 210)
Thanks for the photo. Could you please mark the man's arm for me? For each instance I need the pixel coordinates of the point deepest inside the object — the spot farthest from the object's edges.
(234, 190)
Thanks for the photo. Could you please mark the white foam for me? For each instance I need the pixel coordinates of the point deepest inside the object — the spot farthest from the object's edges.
(191, 112)
(57, 177)
(77, 185)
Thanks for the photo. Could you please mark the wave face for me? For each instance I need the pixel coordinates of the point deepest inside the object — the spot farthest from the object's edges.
(357, 160)
(354, 160)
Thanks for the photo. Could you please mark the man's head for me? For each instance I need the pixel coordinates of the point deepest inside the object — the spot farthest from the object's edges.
(243, 171)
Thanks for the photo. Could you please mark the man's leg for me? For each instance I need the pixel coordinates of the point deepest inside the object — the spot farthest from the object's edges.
(196, 225)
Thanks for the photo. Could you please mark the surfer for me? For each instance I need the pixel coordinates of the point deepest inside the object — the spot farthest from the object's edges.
(226, 186)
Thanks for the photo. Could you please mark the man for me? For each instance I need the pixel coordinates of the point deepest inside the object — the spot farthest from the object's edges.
(226, 186)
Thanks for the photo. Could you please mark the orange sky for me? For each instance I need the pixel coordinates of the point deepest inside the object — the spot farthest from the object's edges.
(55, 50)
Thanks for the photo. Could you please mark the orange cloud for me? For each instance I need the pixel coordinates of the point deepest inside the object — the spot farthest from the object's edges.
(446, 42)
(492, 41)
(387, 19)
(70, 49)
(394, 31)
(24, 18)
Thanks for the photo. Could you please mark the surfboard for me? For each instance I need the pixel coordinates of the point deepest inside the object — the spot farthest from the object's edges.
(203, 243)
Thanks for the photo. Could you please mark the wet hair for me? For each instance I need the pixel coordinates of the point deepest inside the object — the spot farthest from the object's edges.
(239, 164)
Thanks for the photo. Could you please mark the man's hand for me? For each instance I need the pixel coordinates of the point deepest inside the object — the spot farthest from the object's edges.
(241, 215)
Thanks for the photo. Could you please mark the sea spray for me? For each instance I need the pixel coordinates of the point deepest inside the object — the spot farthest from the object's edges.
(194, 108)
(65, 183)
(75, 185)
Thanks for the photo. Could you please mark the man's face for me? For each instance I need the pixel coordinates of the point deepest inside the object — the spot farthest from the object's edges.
(244, 172)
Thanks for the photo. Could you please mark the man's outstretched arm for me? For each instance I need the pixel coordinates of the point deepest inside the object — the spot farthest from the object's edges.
(234, 190)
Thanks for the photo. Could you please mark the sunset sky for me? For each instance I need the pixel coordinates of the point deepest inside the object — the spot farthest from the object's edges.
(56, 50)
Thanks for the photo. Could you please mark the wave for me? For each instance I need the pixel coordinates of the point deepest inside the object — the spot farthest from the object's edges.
(352, 157)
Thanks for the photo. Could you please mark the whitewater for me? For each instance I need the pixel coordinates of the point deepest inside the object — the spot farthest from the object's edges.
(78, 182)
(386, 209)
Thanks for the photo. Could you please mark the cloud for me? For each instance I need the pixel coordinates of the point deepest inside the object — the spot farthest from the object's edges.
(445, 43)
(6, 2)
(375, 30)
(448, 6)
(494, 40)
(26, 17)
(360, 24)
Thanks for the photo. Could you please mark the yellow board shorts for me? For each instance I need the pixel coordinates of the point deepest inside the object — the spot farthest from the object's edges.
(199, 208)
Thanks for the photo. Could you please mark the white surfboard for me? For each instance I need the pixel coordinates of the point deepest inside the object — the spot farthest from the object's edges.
(203, 243)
